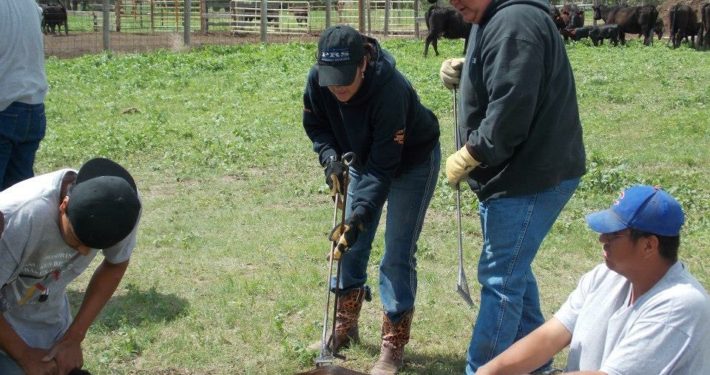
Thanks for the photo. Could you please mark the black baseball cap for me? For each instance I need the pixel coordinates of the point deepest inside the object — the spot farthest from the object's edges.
(103, 205)
(340, 50)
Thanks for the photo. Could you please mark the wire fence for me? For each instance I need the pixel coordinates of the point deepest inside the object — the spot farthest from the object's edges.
(143, 25)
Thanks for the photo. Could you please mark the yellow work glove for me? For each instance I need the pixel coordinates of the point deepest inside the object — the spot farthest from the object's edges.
(450, 72)
(458, 165)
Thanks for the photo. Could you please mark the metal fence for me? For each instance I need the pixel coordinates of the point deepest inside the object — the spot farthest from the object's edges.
(142, 25)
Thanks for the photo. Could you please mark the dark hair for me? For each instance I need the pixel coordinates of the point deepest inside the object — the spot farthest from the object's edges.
(667, 246)
(370, 51)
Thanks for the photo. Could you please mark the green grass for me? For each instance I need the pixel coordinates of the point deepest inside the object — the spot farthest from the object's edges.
(229, 273)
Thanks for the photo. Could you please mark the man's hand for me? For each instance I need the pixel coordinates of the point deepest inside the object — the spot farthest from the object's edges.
(458, 165)
(345, 235)
(66, 354)
(450, 72)
(32, 363)
(335, 177)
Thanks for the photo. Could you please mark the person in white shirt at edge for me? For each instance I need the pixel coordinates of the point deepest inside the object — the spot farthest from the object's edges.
(640, 312)
(53, 227)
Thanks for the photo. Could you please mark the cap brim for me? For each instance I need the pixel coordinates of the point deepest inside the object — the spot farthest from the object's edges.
(606, 221)
(336, 75)
(103, 167)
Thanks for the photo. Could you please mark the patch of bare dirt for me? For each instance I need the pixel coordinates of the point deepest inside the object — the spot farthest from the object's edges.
(77, 44)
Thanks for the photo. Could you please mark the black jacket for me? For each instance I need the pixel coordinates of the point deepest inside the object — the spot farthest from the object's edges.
(371, 124)
(519, 110)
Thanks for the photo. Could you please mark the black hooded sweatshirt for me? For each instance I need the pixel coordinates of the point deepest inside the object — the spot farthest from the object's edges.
(384, 124)
(518, 109)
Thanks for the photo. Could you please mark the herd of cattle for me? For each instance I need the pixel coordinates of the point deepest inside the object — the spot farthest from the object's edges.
(685, 24)
(642, 20)
(447, 23)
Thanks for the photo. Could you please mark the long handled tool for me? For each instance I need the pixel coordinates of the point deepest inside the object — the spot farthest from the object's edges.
(327, 356)
(461, 284)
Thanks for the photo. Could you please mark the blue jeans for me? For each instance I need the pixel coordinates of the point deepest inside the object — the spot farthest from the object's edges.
(22, 127)
(8, 366)
(407, 202)
(513, 229)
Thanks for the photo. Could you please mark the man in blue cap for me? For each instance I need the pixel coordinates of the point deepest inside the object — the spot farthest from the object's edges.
(640, 312)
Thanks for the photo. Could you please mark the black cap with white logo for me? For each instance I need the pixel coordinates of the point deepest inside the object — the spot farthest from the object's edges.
(340, 50)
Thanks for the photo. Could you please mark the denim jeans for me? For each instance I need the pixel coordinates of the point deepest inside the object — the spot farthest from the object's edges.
(513, 229)
(407, 202)
(8, 366)
(22, 127)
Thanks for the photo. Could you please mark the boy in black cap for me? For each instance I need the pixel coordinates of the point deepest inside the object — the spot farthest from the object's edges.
(54, 225)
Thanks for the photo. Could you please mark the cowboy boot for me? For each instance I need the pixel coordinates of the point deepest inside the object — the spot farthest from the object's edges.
(346, 317)
(394, 337)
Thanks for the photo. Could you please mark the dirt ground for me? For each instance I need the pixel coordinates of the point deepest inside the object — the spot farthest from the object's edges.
(77, 44)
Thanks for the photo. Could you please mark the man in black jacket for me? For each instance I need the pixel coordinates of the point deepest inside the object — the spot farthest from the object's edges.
(523, 155)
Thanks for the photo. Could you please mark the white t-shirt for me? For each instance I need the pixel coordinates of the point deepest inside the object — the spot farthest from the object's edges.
(31, 247)
(22, 76)
(666, 331)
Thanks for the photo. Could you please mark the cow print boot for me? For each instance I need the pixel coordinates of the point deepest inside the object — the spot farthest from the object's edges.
(394, 337)
(346, 318)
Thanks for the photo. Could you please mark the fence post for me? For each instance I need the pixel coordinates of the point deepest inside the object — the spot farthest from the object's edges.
(327, 13)
(117, 12)
(416, 18)
(361, 15)
(369, 17)
(107, 25)
(203, 17)
(186, 22)
(388, 6)
(264, 19)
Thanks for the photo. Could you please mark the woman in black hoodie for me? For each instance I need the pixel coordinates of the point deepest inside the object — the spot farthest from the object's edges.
(356, 101)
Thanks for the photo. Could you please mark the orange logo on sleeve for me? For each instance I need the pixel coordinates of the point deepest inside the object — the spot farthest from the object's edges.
(399, 137)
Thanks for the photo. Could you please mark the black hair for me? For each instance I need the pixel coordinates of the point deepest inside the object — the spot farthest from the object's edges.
(667, 245)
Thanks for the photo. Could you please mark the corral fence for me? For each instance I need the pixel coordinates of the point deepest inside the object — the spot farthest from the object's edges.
(142, 25)
(139, 25)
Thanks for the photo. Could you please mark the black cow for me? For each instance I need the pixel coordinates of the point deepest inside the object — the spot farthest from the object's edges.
(578, 33)
(445, 22)
(658, 28)
(301, 14)
(601, 12)
(705, 15)
(683, 24)
(572, 16)
(53, 18)
(602, 32)
(631, 20)
(557, 18)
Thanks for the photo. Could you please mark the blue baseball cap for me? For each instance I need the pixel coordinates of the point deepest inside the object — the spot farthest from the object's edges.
(340, 50)
(641, 207)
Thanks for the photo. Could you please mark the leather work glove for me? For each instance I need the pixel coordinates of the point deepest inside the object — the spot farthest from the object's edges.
(334, 175)
(458, 165)
(345, 235)
(450, 72)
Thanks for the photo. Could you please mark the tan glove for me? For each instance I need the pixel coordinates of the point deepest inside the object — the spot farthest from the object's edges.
(458, 165)
(450, 72)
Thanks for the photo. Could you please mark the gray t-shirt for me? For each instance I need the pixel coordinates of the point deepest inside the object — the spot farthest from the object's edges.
(22, 76)
(666, 331)
(31, 248)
